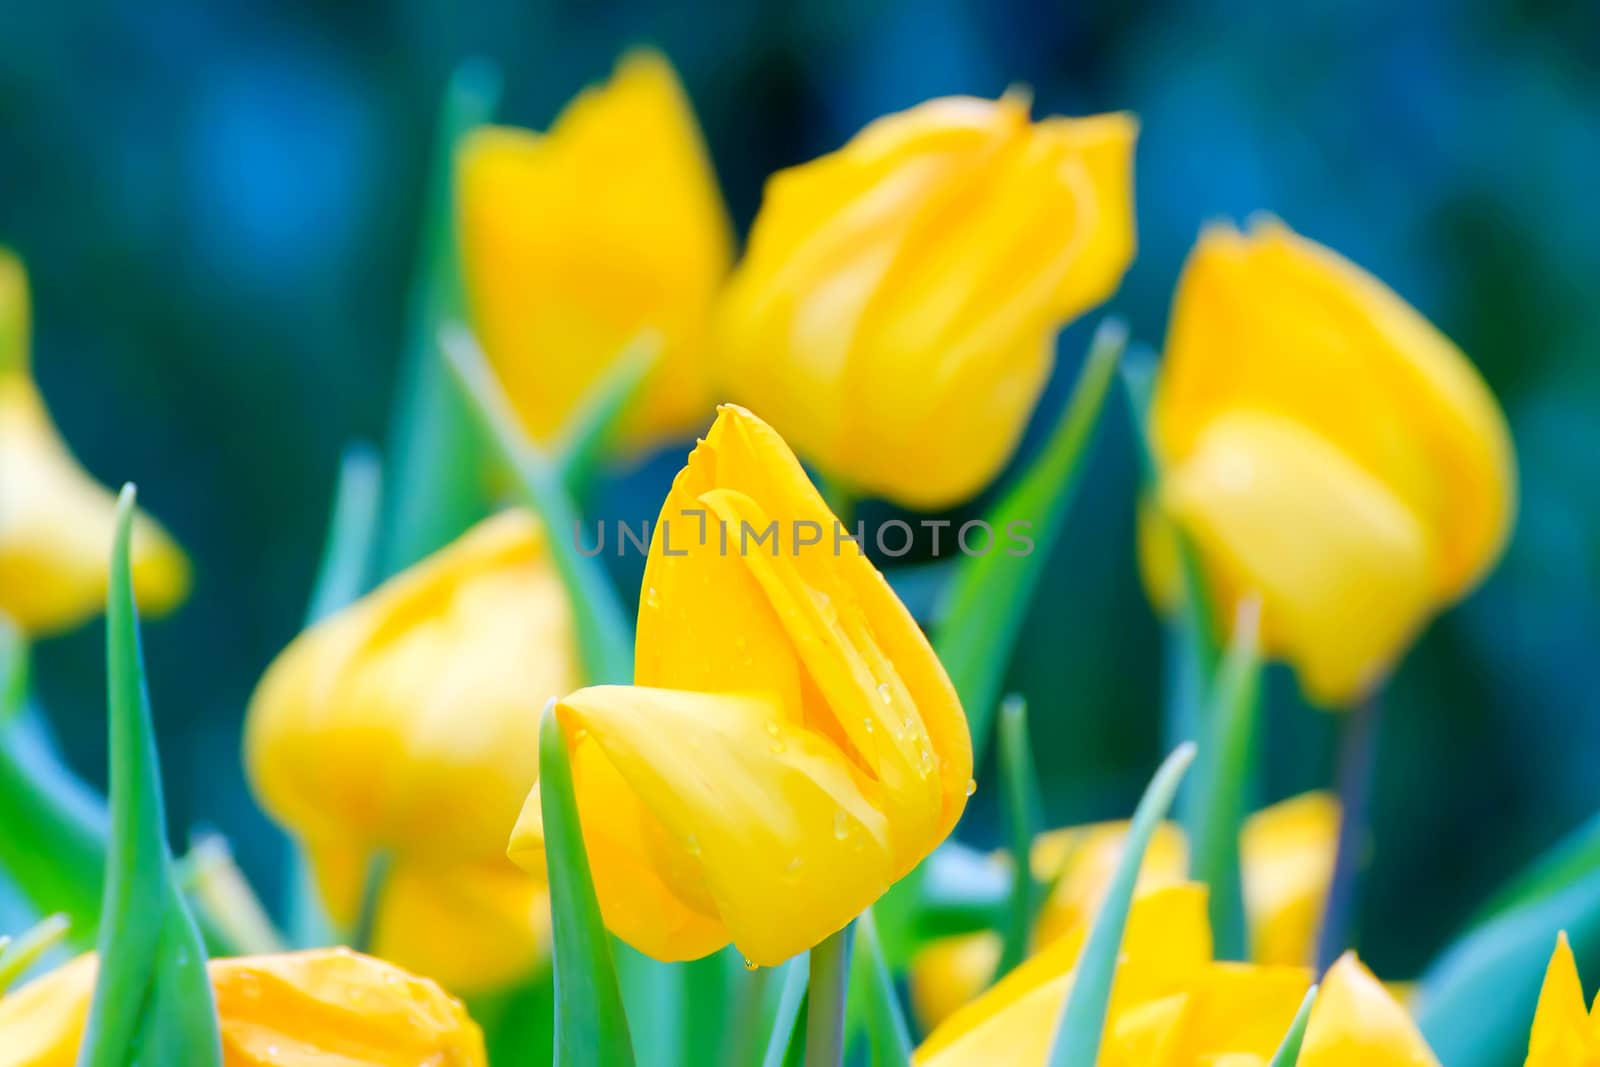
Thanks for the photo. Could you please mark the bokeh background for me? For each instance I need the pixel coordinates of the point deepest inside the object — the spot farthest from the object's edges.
(219, 207)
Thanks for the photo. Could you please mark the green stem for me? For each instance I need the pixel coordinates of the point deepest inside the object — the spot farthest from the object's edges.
(744, 1040)
(361, 934)
(830, 972)
(1358, 756)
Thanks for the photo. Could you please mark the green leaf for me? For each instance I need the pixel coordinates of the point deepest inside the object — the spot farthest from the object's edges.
(826, 998)
(1573, 858)
(747, 1011)
(1023, 818)
(786, 1047)
(605, 638)
(594, 429)
(13, 670)
(349, 552)
(518, 1023)
(152, 999)
(1477, 1000)
(1222, 782)
(231, 916)
(437, 479)
(1077, 1040)
(887, 1030)
(16, 956)
(655, 997)
(991, 594)
(591, 1025)
(1192, 647)
(1289, 1049)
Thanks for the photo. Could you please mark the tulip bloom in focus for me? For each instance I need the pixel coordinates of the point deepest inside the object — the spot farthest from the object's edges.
(1173, 1006)
(1287, 854)
(1325, 448)
(792, 746)
(1565, 1032)
(324, 1008)
(408, 725)
(896, 313)
(575, 241)
(55, 520)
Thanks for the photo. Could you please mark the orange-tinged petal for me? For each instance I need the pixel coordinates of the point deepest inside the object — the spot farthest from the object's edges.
(576, 241)
(322, 1008)
(896, 312)
(1355, 1021)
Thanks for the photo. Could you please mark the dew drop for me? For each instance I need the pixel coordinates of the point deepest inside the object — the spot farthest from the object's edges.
(841, 825)
(866, 724)
(692, 843)
(750, 964)
(883, 692)
(972, 786)
(652, 598)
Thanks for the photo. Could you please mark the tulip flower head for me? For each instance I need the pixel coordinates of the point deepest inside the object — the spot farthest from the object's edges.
(322, 1008)
(1326, 449)
(407, 725)
(577, 241)
(1286, 852)
(792, 746)
(895, 315)
(1565, 1032)
(1356, 1022)
(55, 520)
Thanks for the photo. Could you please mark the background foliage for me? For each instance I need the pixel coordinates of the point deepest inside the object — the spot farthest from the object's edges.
(219, 203)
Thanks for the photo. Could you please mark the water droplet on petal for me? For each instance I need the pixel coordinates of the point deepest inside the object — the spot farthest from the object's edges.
(692, 844)
(652, 598)
(883, 692)
(841, 825)
(866, 724)
(750, 964)
(972, 786)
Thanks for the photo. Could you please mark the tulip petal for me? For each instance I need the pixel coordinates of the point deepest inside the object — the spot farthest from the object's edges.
(1288, 854)
(1344, 593)
(1355, 1020)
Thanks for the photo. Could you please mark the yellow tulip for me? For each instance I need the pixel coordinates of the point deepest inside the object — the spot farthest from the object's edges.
(1326, 449)
(1287, 853)
(1171, 1004)
(55, 520)
(896, 313)
(408, 725)
(1356, 1022)
(323, 1008)
(792, 746)
(575, 242)
(1565, 1032)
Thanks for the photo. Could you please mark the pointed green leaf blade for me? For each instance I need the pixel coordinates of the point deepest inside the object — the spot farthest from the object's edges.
(1023, 808)
(16, 956)
(591, 1025)
(436, 482)
(152, 999)
(992, 592)
(887, 1030)
(1077, 1041)
(788, 1041)
(605, 639)
(1222, 782)
(1289, 1049)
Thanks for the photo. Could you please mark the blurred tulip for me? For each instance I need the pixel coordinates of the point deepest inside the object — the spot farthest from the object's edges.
(407, 725)
(1325, 448)
(55, 520)
(325, 1008)
(1287, 854)
(575, 242)
(1171, 1004)
(1565, 1032)
(1356, 1022)
(896, 313)
(792, 746)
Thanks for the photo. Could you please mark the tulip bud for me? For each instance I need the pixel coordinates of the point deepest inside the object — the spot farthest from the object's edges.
(895, 316)
(55, 520)
(323, 1008)
(792, 746)
(1565, 1030)
(1286, 854)
(408, 725)
(1355, 1020)
(576, 241)
(1326, 449)
(1171, 1003)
